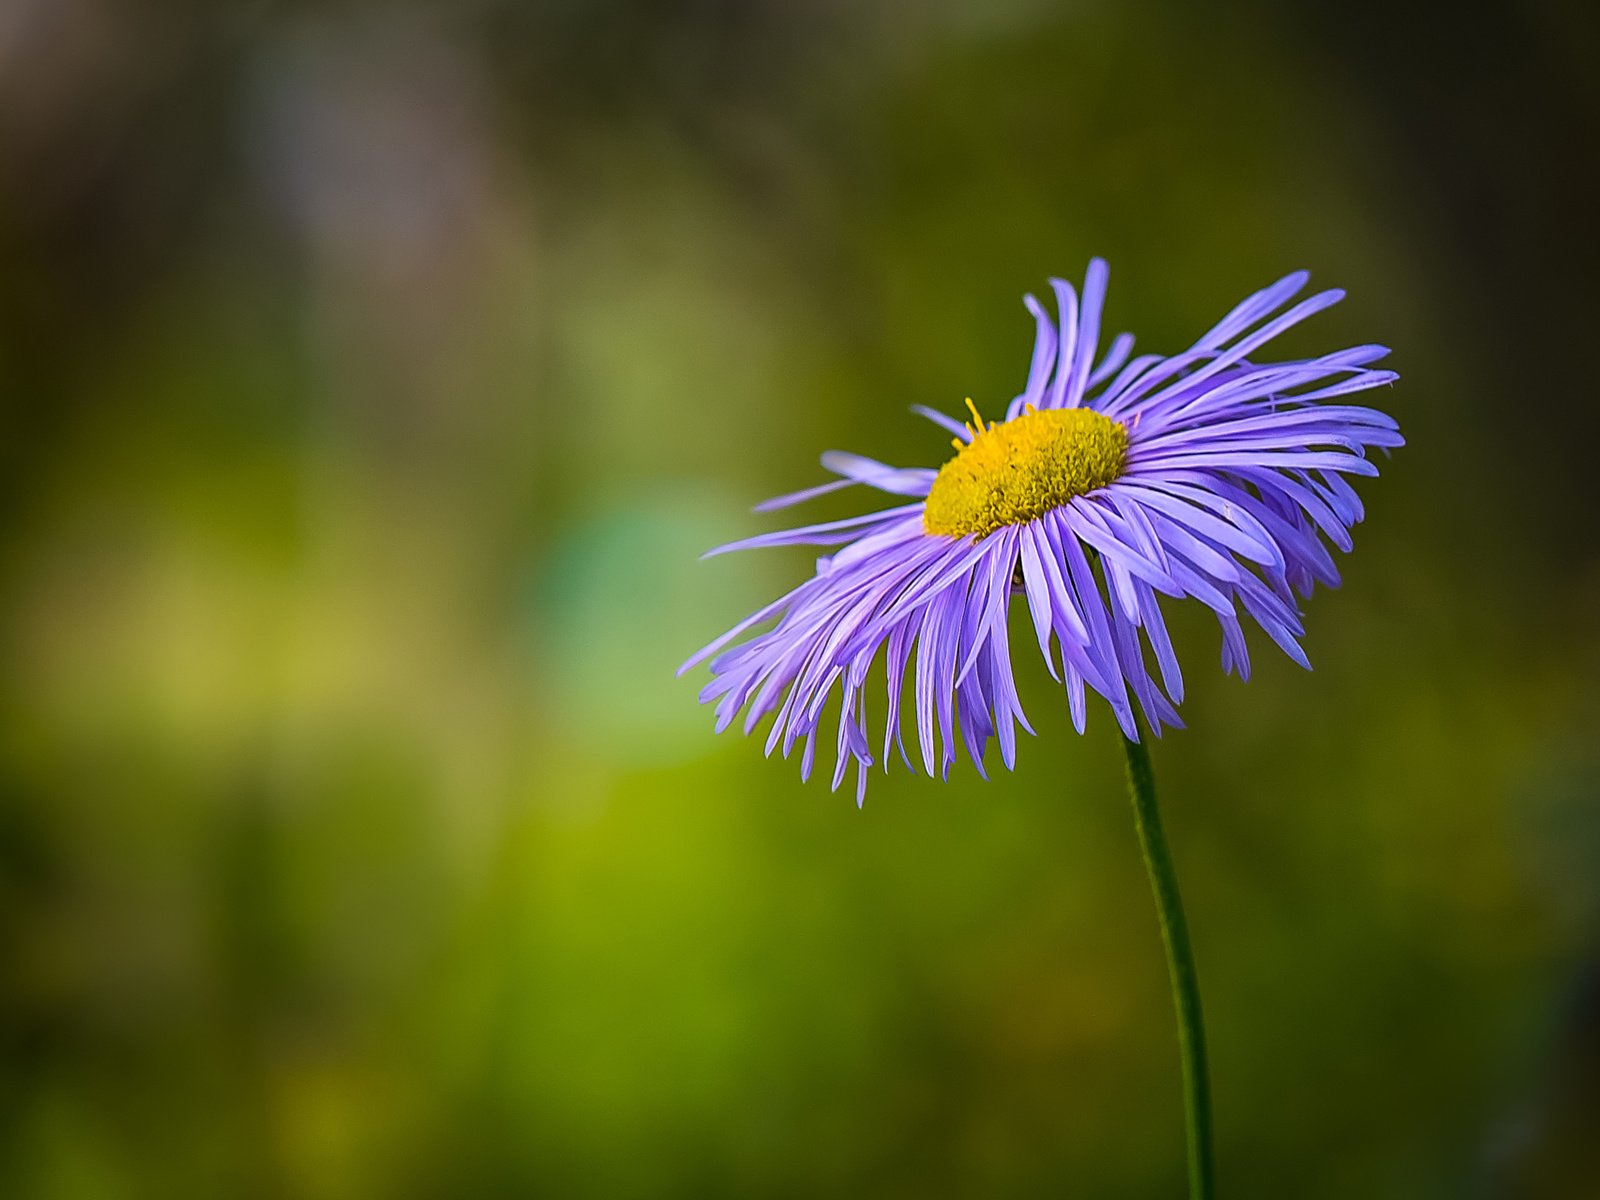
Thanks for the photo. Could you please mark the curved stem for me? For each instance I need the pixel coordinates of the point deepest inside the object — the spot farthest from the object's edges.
(1180, 967)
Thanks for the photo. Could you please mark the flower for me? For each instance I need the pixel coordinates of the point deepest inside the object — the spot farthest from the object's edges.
(1203, 475)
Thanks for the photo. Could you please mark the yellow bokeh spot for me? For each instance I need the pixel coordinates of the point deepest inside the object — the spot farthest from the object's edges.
(1016, 471)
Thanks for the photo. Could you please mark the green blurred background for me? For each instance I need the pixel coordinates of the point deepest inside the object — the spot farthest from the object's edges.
(373, 375)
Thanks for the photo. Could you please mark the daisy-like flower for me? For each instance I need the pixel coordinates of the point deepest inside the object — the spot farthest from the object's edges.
(1207, 474)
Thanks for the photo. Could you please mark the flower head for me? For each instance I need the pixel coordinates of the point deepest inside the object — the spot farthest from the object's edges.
(1107, 485)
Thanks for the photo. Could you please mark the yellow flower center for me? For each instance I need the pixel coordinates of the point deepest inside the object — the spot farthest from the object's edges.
(1013, 472)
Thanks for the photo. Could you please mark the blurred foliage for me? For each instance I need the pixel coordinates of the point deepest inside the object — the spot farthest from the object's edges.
(372, 375)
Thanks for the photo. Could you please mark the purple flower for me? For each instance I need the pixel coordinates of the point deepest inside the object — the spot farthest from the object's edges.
(1205, 475)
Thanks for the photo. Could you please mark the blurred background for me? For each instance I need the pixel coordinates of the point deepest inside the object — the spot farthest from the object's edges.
(372, 376)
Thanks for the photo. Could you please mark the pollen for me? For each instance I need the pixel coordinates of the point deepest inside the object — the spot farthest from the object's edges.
(1015, 471)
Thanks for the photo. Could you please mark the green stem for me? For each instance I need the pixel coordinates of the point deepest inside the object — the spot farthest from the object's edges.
(1180, 967)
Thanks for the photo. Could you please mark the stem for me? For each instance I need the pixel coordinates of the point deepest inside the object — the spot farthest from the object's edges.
(1180, 967)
